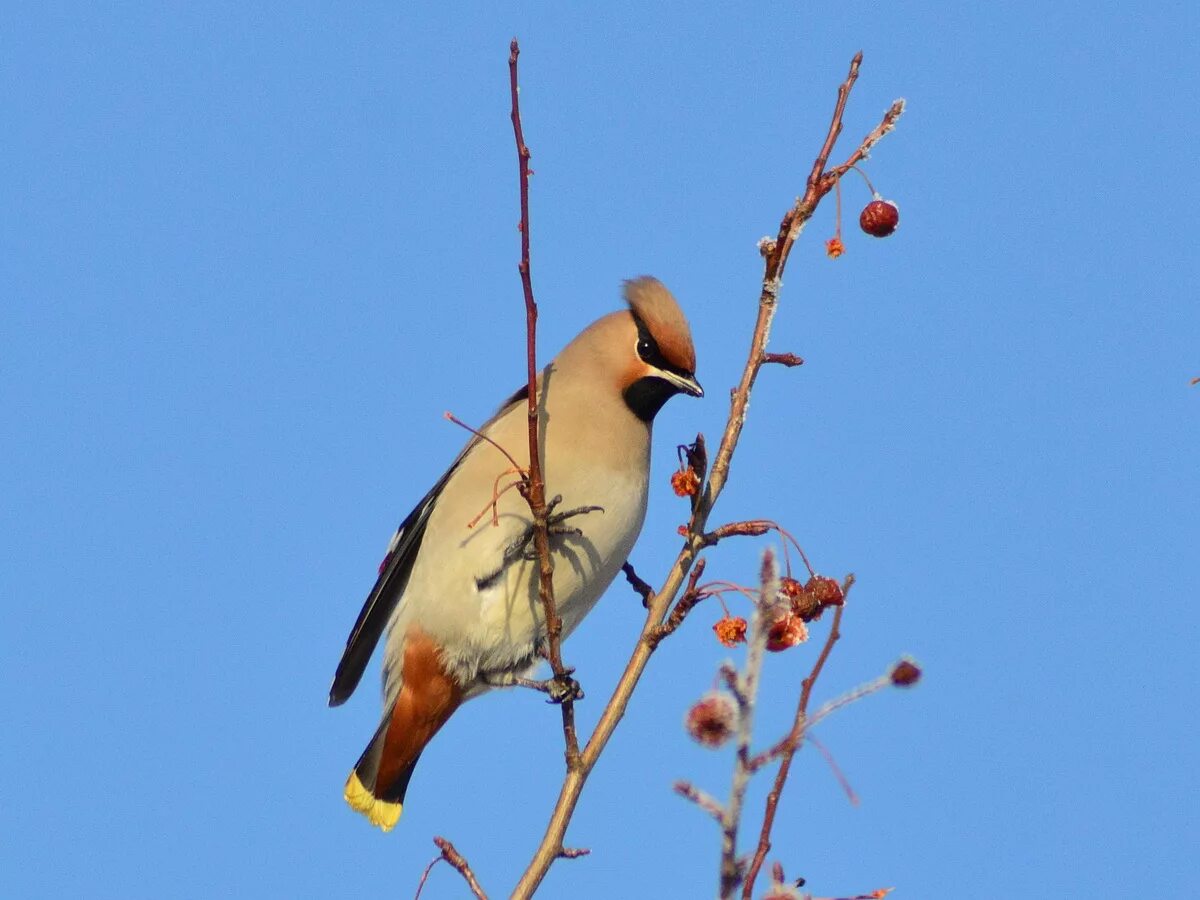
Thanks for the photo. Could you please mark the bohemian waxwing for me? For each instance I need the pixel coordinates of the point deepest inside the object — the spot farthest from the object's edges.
(459, 601)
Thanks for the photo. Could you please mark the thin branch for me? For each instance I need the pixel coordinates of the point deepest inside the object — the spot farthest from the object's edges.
(745, 688)
(535, 492)
(705, 801)
(785, 765)
(847, 787)
(460, 864)
(890, 118)
(784, 359)
(691, 596)
(425, 875)
(451, 417)
(750, 528)
(775, 254)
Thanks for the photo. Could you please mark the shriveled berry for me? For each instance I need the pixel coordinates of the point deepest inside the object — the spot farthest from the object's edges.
(713, 719)
(786, 632)
(827, 591)
(879, 217)
(731, 630)
(834, 248)
(804, 602)
(905, 673)
(685, 482)
(790, 587)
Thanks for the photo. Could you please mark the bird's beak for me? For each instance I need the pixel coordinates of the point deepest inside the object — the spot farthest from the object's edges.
(686, 383)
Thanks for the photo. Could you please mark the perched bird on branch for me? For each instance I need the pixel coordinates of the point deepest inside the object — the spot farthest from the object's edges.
(457, 592)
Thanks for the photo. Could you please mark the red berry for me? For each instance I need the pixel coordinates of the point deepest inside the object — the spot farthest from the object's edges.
(879, 217)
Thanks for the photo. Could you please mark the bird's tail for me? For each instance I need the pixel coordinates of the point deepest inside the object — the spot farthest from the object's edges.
(380, 801)
(380, 778)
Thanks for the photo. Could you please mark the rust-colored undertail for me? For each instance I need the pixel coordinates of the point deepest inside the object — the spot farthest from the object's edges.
(427, 698)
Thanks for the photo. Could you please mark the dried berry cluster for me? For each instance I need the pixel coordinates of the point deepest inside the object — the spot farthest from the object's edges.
(803, 603)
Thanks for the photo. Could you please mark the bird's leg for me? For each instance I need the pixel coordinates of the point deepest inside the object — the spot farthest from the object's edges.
(557, 690)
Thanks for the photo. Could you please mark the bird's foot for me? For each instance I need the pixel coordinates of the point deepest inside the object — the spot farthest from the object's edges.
(522, 547)
(557, 688)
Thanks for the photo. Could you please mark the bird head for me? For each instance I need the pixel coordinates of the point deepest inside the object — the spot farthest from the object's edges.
(643, 354)
(659, 359)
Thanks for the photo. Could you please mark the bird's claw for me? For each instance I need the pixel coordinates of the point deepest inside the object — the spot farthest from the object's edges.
(521, 549)
(557, 688)
(560, 689)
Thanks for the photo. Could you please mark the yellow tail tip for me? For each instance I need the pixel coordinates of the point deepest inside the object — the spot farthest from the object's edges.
(381, 813)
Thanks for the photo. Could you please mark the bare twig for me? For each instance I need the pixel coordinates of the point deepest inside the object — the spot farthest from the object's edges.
(535, 492)
(573, 852)
(460, 864)
(750, 528)
(847, 787)
(451, 417)
(705, 801)
(783, 359)
(793, 744)
(691, 596)
(745, 687)
(775, 254)
(425, 875)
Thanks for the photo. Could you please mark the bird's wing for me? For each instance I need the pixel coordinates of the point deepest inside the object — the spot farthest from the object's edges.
(393, 577)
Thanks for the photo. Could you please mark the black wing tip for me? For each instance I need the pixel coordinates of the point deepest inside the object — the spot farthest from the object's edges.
(341, 689)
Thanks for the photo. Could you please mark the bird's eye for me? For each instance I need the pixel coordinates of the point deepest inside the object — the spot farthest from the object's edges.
(645, 349)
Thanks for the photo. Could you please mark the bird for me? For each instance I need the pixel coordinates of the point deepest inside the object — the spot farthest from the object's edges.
(457, 591)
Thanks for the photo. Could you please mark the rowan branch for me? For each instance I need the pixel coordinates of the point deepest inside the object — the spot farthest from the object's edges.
(745, 688)
(460, 864)
(691, 596)
(775, 254)
(705, 801)
(535, 486)
(792, 744)
(784, 359)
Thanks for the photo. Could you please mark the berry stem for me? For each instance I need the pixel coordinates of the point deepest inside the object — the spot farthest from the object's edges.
(874, 193)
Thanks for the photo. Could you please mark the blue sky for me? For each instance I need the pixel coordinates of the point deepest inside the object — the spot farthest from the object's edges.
(248, 257)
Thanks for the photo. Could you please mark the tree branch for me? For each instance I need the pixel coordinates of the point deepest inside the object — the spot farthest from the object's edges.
(746, 690)
(792, 745)
(705, 801)
(784, 359)
(775, 253)
(691, 596)
(460, 864)
(535, 487)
